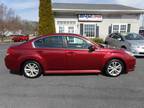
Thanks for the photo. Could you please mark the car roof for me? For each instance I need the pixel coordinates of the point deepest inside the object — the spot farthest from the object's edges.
(62, 34)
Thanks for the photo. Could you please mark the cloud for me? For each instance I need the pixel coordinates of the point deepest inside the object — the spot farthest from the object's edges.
(136, 3)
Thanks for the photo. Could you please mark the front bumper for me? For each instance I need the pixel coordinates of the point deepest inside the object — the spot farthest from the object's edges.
(130, 63)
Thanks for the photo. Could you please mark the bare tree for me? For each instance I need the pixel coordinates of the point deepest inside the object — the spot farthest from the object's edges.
(10, 22)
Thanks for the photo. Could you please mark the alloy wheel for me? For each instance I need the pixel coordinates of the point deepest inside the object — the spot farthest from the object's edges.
(114, 68)
(31, 69)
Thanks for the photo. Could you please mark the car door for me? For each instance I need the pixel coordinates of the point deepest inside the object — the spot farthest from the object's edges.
(52, 50)
(78, 55)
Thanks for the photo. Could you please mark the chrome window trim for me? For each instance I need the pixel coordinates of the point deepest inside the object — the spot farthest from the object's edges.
(65, 47)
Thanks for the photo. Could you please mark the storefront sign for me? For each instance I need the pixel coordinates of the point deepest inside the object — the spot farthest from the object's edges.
(86, 17)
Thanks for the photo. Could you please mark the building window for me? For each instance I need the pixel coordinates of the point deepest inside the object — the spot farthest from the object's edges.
(123, 29)
(66, 26)
(89, 30)
(119, 28)
(61, 29)
(115, 28)
(70, 29)
(66, 22)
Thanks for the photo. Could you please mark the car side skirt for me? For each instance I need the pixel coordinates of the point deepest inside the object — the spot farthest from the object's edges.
(71, 71)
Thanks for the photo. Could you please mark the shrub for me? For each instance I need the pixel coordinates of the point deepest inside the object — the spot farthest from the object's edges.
(46, 18)
(98, 40)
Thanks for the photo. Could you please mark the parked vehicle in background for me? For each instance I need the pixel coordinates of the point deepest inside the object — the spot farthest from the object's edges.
(131, 42)
(67, 53)
(141, 32)
(20, 38)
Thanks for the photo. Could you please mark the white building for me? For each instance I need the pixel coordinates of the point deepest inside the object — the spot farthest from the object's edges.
(96, 20)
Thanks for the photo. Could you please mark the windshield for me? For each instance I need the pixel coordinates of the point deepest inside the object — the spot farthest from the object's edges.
(134, 37)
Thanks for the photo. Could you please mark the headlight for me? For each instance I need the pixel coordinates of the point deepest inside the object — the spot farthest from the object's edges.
(129, 53)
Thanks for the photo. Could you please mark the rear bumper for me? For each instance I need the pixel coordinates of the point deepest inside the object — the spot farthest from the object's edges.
(11, 63)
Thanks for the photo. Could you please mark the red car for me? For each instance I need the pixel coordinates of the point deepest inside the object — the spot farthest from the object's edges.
(67, 53)
(19, 38)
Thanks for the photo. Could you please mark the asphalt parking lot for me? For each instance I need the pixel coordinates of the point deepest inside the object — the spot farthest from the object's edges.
(71, 91)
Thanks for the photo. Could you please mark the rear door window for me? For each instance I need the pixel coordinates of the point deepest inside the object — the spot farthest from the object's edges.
(49, 42)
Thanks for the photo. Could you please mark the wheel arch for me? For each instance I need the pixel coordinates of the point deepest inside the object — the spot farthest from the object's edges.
(118, 58)
(38, 60)
(124, 47)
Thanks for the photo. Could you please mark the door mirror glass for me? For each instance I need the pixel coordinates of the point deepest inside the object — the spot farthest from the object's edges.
(91, 48)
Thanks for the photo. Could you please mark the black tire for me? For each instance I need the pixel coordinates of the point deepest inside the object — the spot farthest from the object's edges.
(112, 71)
(123, 47)
(106, 42)
(31, 69)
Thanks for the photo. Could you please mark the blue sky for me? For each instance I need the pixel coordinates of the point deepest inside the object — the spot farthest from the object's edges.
(28, 9)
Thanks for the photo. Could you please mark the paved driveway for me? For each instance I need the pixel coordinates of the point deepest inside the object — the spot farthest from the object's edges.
(71, 91)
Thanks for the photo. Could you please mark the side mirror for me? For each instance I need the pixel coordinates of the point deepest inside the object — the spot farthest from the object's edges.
(91, 48)
(119, 39)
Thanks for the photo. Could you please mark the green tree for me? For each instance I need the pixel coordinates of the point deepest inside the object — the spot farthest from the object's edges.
(46, 18)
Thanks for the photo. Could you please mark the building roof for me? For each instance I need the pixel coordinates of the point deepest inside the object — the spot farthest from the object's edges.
(94, 7)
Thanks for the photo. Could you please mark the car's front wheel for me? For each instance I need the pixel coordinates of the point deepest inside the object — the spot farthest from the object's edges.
(114, 68)
(32, 69)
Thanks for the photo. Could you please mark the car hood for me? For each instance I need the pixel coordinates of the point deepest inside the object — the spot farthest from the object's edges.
(136, 42)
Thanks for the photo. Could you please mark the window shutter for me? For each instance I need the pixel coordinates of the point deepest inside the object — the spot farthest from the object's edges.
(110, 29)
(97, 31)
(81, 29)
(129, 28)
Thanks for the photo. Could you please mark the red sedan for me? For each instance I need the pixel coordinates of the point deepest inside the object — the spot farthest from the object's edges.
(20, 38)
(67, 53)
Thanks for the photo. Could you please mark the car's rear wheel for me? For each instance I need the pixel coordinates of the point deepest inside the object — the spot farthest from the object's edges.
(32, 69)
(114, 68)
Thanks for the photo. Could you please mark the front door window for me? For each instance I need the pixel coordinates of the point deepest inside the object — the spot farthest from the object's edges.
(76, 43)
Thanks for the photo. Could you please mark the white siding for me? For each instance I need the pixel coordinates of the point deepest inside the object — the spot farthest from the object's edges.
(108, 20)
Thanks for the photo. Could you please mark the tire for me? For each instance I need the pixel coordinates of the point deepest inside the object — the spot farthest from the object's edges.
(106, 42)
(123, 47)
(31, 69)
(114, 68)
